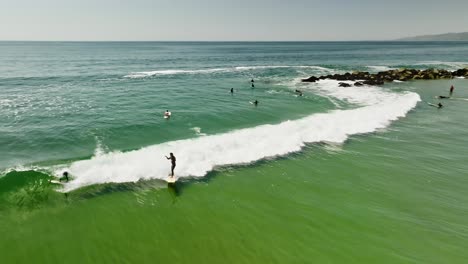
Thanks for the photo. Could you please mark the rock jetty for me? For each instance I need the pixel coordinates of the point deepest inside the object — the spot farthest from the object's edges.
(380, 78)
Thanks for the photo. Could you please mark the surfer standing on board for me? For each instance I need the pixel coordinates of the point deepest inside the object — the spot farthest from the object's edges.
(173, 162)
(451, 90)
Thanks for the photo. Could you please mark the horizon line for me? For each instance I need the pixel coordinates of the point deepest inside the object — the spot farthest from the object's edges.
(232, 41)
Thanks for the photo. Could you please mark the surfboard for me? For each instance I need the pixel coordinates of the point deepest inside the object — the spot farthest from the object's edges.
(55, 182)
(171, 179)
(168, 115)
(434, 105)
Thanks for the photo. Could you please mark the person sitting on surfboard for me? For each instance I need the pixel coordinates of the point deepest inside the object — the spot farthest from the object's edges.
(65, 176)
(232, 90)
(167, 114)
(173, 162)
(255, 102)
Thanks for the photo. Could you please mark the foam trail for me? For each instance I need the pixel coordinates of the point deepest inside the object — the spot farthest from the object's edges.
(196, 157)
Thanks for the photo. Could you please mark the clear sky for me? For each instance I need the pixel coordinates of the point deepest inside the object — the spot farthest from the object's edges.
(249, 20)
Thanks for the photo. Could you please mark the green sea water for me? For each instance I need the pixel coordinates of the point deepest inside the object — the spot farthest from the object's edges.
(356, 186)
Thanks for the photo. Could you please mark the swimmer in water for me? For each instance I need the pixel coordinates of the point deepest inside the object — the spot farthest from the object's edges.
(167, 114)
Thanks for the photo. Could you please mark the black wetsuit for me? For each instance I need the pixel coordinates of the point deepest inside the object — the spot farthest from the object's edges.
(173, 162)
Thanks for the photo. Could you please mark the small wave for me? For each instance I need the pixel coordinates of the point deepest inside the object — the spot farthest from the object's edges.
(217, 70)
(200, 155)
(450, 65)
(378, 68)
(173, 72)
(244, 68)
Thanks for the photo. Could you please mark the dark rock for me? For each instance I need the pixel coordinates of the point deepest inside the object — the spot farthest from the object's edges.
(342, 84)
(390, 75)
(311, 79)
(374, 82)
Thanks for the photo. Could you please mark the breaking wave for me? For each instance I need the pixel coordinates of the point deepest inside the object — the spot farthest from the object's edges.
(377, 108)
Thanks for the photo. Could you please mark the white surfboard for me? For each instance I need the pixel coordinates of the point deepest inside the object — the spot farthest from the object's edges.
(168, 115)
(171, 179)
(434, 105)
(55, 182)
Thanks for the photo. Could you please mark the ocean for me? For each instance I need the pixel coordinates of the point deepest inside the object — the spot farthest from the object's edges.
(339, 175)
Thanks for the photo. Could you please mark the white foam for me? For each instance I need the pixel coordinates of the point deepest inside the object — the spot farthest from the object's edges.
(197, 131)
(363, 95)
(216, 70)
(196, 157)
(380, 68)
(173, 72)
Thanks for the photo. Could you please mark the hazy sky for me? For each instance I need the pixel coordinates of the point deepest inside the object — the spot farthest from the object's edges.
(228, 20)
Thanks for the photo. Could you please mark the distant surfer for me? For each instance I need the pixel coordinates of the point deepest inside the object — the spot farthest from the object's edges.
(173, 162)
(443, 97)
(255, 102)
(299, 92)
(253, 86)
(439, 105)
(167, 114)
(252, 81)
(65, 176)
(232, 90)
(451, 90)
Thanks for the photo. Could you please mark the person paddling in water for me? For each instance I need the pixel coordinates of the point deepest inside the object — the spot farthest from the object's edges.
(173, 162)
(167, 114)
